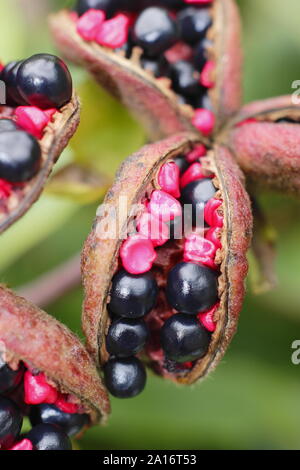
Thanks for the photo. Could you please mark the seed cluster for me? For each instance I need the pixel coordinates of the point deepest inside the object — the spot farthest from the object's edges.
(165, 295)
(53, 415)
(36, 89)
(173, 36)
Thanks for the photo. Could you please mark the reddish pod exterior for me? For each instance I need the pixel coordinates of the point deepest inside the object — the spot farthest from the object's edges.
(137, 179)
(58, 366)
(152, 100)
(265, 139)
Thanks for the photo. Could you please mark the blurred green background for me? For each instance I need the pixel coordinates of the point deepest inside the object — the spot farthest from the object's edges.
(252, 400)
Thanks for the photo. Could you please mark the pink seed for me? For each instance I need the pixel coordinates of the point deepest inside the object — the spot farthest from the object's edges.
(164, 206)
(137, 254)
(207, 318)
(211, 214)
(114, 32)
(25, 444)
(180, 51)
(196, 153)
(204, 120)
(153, 228)
(199, 249)
(206, 75)
(193, 173)
(214, 235)
(90, 23)
(32, 120)
(66, 406)
(5, 189)
(37, 390)
(246, 121)
(168, 179)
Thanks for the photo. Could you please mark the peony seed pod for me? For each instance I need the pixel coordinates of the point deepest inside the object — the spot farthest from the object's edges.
(43, 364)
(34, 129)
(189, 328)
(173, 84)
(265, 140)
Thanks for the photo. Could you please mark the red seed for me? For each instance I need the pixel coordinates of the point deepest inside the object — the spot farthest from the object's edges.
(198, 249)
(114, 32)
(37, 390)
(164, 206)
(206, 79)
(25, 444)
(204, 120)
(198, 152)
(168, 179)
(193, 173)
(90, 24)
(137, 254)
(65, 405)
(180, 51)
(211, 215)
(32, 119)
(5, 189)
(214, 235)
(207, 319)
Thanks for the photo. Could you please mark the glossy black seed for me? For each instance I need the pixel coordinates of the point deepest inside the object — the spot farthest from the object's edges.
(184, 339)
(125, 378)
(10, 422)
(184, 78)
(201, 53)
(9, 76)
(159, 67)
(9, 379)
(196, 194)
(84, 5)
(70, 423)
(7, 125)
(49, 437)
(44, 81)
(204, 101)
(287, 120)
(194, 23)
(192, 288)
(155, 31)
(20, 156)
(126, 337)
(181, 163)
(132, 296)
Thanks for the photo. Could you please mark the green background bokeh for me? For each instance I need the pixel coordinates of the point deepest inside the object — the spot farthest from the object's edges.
(252, 399)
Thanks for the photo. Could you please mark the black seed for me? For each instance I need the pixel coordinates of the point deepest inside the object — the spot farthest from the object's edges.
(84, 5)
(7, 125)
(20, 156)
(49, 437)
(133, 296)
(181, 163)
(184, 339)
(196, 194)
(159, 67)
(125, 378)
(155, 31)
(9, 76)
(126, 337)
(44, 81)
(192, 288)
(194, 23)
(10, 422)
(9, 379)
(185, 79)
(70, 423)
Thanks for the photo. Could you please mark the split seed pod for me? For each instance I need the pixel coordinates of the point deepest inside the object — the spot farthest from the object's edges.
(137, 179)
(265, 140)
(151, 100)
(55, 138)
(29, 335)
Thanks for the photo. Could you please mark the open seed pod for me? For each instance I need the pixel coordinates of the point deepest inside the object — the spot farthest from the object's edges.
(56, 135)
(46, 366)
(162, 88)
(213, 255)
(265, 140)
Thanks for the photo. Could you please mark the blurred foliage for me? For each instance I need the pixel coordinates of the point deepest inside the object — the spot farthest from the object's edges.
(252, 399)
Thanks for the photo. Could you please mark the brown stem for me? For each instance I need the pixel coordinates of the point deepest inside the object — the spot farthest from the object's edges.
(54, 284)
